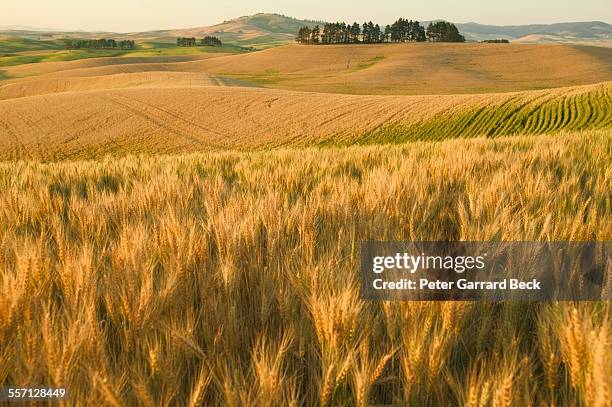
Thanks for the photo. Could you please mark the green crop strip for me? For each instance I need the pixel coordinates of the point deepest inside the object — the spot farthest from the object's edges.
(592, 110)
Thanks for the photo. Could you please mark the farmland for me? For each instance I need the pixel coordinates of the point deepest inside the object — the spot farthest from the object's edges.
(174, 104)
(184, 228)
(403, 69)
(172, 120)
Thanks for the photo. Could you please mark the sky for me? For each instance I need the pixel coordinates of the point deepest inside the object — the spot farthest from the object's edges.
(143, 15)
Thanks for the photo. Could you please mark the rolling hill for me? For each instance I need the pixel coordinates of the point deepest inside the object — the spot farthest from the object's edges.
(260, 30)
(268, 29)
(294, 95)
(364, 69)
(247, 30)
(576, 32)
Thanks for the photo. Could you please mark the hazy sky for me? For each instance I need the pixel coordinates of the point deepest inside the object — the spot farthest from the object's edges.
(140, 15)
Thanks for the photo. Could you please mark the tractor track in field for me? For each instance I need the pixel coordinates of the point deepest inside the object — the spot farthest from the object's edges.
(211, 117)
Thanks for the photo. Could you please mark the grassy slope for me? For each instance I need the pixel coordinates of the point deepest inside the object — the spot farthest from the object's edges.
(276, 23)
(57, 56)
(75, 68)
(259, 30)
(73, 55)
(12, 44)
(231, 278)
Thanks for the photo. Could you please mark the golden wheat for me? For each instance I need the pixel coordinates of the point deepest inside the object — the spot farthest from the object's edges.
(231, 278)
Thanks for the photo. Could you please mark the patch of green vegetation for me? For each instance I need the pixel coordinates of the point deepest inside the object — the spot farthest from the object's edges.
(236, 39)
(19, 60)
(588, 111)
(368, 63)
(57, 56)
(19, 44)
(157, 44)
(276, 23)
(256, 80)
(177, 51)
(3, 75)
(167, 46)
(261, 44)
(267, 78)
(71, 55)
(262, 40)
(29, 50)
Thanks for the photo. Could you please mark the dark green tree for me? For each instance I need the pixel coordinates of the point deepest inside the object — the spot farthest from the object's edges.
(443, 31)
(315, 35)
(303, 36)
(103, 43)
(387, 33)
(376, 34)
(211, 41)
(402, 30)
(355, 32)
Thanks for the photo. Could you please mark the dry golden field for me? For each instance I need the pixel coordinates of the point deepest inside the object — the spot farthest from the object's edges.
(90, 124)
(369, 69)
(176, 104)
(185, 230)
(230, 278)
(419, 68)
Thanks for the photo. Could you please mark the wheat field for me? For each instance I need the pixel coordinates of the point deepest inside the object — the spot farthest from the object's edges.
(185, 230)
(230, 278)
(388, 69)
(176, 120)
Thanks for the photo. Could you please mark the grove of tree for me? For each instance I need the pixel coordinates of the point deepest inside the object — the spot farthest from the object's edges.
(192, 42)
(103, 43)
(497, 41)
(402, 30)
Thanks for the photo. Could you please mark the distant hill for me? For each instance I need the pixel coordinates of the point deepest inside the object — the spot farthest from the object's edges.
(261, 30)
(258, 29)
(591, 31)
(265, 30)
(5, 28)
(273, 28)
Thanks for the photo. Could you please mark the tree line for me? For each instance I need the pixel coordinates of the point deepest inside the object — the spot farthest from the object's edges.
(498, 41)
(402, 30)
(192, 42)
(103, 43)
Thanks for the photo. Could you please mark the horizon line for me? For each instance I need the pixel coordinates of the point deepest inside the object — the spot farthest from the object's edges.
(26, 27)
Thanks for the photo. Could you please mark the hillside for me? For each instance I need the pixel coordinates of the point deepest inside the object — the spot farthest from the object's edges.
(268, 29)
(20, 42)
(363, 69)
(417, 68)
(260, 29)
